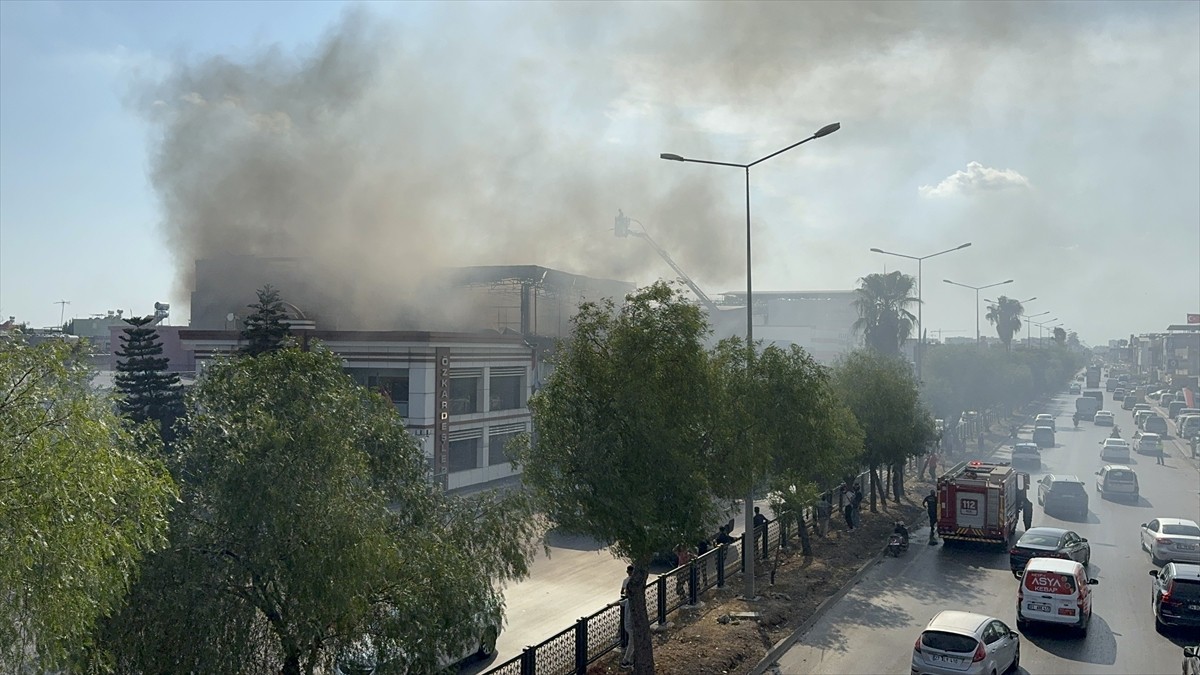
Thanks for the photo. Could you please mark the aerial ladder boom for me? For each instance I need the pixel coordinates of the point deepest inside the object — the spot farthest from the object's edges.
(622, 230)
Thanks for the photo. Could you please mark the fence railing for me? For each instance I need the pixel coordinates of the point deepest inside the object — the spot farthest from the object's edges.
(573, 649)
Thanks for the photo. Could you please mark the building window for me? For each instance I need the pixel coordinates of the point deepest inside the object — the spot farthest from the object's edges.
(506, 392)
(496, 448)
(464, 454)
(391, 383)
(464, 395)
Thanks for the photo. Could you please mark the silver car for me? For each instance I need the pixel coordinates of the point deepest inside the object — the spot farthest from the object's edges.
(1171, 540)
(964, 643)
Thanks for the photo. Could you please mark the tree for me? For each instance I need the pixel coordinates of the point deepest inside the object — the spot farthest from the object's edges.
(1060, 336)
(882, 301)
(148, 391)
(308, 522)
(81, 500)
(1073, 341)
(882, 392)
(1006, 316)
(264, 330)
(625, 450)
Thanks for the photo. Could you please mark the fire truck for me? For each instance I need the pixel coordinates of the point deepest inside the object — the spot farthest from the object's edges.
(980, 501)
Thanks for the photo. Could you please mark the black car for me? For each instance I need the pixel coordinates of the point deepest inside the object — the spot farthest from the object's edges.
(1063, 493)
(1048, 542)
(1175, 595)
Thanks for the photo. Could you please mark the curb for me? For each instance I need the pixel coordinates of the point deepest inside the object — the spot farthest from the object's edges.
(786, 643)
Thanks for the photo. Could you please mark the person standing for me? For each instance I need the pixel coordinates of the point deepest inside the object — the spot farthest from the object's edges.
(856, 498)
(1026, 509)
(931, 465)
(824, 511)
(760, 528)
(627, 612)
(1162, 454)
(703, 546)
(931, 507)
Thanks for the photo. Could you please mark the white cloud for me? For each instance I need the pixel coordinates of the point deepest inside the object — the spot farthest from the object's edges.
(977, 178)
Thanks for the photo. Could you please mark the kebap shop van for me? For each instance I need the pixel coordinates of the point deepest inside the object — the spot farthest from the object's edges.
(1055, 591)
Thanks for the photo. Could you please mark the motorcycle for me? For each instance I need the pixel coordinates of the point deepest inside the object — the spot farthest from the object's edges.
(897, 544)
(1075, 419)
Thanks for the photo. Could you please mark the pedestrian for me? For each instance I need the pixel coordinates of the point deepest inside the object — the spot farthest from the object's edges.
(1026, 509)
(931, 507)
(683, 556)
(703, 546)
(1162, 454)
(723, 538)
(931, 466)
(1195, 445)
(856, 498)
(760, 528)
(627, 611)
(824, 511)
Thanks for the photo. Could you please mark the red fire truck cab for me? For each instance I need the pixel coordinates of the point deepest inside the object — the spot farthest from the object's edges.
(980, 501)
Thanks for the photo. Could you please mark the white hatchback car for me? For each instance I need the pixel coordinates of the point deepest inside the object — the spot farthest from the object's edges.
(1171, 540)
(964, 643)
(1044, 420)
(1103, 418)
(1114, 449)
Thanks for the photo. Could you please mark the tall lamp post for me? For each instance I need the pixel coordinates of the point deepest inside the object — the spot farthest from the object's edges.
(1041, 325)
(748, 538)
(1028, 321)
(920, 354)
(993, 302)
(977, 289)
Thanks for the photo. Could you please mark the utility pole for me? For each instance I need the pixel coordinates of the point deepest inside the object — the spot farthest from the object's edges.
(62, 310)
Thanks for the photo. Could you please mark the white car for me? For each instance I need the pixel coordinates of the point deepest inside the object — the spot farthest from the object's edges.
(964, 643)
(1114, 449)
(1171, 540)
(1045, 420)
(1149, 444)
(1103, 418)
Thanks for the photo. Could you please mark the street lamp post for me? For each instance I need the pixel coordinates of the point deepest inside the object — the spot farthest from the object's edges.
(1041, 325)
(977, 289)
(1028, 321)
(920, 353)
(748, 537)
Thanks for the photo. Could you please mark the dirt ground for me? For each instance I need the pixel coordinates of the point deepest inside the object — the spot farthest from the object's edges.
(702, 641)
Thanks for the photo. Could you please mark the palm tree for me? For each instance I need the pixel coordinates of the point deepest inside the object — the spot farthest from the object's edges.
(1006, 315)
(883, 318)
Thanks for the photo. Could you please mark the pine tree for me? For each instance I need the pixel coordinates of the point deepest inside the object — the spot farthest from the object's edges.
(148, 391)
(264, 330)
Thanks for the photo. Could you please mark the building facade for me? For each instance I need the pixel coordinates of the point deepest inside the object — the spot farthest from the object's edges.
(464, 396)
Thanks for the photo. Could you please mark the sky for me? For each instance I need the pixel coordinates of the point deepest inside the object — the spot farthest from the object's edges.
(383, 140)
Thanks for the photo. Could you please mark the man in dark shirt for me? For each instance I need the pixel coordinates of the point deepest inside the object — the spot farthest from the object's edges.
(931, 506)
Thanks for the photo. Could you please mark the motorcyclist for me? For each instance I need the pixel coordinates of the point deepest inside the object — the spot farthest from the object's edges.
(1075, 419)
(901, 530)
(1116, 432)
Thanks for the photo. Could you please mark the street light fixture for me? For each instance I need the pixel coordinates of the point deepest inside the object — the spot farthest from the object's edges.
(1028, 321)
(920, 353)
(1041, 325)
(977, 289)
(748, 507)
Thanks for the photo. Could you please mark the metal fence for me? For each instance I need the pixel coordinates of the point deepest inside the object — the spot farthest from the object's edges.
(591, 637)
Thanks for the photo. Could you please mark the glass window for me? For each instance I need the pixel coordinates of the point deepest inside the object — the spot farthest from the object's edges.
(506, 392)
(1182, 530)
(464, 395)
(464, 454)
(391, 383)
(949, 642)
(496, 448)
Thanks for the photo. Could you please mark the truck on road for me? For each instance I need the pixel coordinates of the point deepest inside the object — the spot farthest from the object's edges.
(1093, 377)
(980, 501)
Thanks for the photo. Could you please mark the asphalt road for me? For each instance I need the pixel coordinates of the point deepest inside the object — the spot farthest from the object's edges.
(872, 629)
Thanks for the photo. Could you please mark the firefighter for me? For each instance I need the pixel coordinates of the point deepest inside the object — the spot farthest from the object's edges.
(930, 503)
(1026, 509)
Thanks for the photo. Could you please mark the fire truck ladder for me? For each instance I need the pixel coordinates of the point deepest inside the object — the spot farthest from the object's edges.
(622, 230)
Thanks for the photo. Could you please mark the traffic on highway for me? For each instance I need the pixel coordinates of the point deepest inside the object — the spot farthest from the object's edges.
(1105, 581)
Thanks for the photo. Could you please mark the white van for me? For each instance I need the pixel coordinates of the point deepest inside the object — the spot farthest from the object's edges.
(1055, 591)
(1117, 481)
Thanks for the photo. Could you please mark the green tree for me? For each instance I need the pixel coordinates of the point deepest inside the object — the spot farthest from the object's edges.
(1005, 315)
(308, 522)
(1060, 336)
(882, 301)
(81, 501)
(264, 330)
(148, 391)
(882, 392)
(624, 435)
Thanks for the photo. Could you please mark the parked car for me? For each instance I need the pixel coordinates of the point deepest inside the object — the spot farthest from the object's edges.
(1064, 493)
(1043, 437)
(1027, 454)
(1187, 425)
(1103, 418)
(1114, 449)
(1048, 542)
(1175, 595)
(1148, 444)
(1055, 591)
(1117, 480)
(1171, 539)
(957, 643)
(1155, 424)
